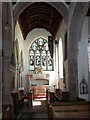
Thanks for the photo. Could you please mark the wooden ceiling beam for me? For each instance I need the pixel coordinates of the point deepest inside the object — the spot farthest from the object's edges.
(39, 15)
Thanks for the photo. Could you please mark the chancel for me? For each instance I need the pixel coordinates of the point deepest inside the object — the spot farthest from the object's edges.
(45, 60)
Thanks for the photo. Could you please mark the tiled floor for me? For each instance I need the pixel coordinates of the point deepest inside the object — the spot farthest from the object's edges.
(35, 112)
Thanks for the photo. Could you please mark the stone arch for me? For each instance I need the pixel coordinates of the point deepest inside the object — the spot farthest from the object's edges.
(60, 6)
(74, 33)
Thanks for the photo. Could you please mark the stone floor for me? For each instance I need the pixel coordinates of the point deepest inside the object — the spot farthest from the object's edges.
(35, 112)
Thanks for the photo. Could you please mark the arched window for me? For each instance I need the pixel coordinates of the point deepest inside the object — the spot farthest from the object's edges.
(39, 55)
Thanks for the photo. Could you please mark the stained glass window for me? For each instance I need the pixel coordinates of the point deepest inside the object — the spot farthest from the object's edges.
(39, 55)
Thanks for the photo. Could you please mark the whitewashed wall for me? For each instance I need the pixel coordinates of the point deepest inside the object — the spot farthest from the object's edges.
(30, 37)
(25, 45)
(19, 37)
(83, 58)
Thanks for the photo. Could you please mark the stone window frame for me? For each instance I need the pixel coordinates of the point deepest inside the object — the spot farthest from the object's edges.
(39, 53)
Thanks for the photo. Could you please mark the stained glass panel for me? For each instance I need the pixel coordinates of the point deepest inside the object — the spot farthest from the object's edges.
(40, 55)
(38, 60)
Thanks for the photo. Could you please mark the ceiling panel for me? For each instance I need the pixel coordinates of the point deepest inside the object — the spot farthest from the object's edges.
(40, 15)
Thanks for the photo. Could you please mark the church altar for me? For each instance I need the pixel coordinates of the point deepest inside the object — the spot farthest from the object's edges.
(39, 83)
(38, 79)
(39, 76)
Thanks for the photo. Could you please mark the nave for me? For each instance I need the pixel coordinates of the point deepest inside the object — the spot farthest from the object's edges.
(77, 110)
(54, 108)
(52, 36)
(32, 113)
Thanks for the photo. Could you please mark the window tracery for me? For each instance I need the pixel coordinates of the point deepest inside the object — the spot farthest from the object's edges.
(39, 55)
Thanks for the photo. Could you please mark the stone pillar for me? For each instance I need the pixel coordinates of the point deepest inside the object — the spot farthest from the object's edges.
(7, 39)
(72, 50)
(77, 13)
(6, 88)
(6, 80)
(17, 84)
(73, 77)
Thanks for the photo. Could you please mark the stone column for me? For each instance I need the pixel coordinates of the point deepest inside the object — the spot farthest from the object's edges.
(6, 80)
(7, 39)
(17, 77)
(73, 75)
(77, 13)
(6, 87)
(72, 50)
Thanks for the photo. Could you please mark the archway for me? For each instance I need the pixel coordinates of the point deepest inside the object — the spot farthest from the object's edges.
(74, 33)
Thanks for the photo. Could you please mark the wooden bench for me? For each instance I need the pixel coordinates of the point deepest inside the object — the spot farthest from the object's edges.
(17, 100)
(69, 110)
(72, 108)
(29, 97)
(72, 115)
(70, 103)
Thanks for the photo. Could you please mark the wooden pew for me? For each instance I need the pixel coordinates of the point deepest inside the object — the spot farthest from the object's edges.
(21, 95)
(68, 110)
(48, 96)
(71, 108)
(17, 101)
(29, 96)
(72, 115)
(70, 103)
